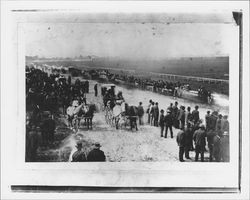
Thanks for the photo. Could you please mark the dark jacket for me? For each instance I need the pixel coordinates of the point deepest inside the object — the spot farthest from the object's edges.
(156, 112)
(162, 120)
(79, 156)
(140, 111)
(96, 155)
(199, 138)
(180, 139)
(195, 116)
(169, 120)
(188, 137)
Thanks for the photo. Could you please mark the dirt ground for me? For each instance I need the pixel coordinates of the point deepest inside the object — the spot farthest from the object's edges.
(121, 145)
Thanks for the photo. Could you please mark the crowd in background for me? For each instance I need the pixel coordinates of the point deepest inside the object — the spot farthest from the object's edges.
(47, 95)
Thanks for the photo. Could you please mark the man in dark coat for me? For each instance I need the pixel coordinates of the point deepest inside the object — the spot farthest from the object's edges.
(175, 113)
(188, 141)
(200, 142)
(96, 90)
(170, 107)
(169, 124)
(96, 155)
(181, 117)
(156, 114)
(140, 113)
(219, 125)
(217, 147)
(162, 122)
(180, 139)
(207, 120)
(195, 115)
(210, 138)
(79, 155)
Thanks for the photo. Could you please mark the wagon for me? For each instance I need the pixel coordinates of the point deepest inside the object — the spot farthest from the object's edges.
(106, 87)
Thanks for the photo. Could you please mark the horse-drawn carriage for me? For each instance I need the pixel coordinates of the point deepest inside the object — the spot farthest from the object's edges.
(76, 113)
(117, 112)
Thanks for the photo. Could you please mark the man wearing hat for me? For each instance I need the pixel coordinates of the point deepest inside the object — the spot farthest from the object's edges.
(96, 155)
(162, 121)
(200, 142)
(79, 155)
(168, 123)
(140, 113)
(195, 115)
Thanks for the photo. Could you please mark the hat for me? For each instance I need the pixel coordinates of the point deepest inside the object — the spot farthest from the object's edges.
(97, 144)
(225, 133)
(78, 144)
(168, 111)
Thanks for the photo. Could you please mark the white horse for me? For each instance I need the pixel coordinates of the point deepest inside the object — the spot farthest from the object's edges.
(118, 110)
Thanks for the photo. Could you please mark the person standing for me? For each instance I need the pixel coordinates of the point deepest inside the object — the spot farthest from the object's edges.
(96, 89)
(188, 141)
(96, 155)
(207, 120)
(195, 115)
(168, 124)
(175, 113)
(225, 124)
(140, 113)
(156, 114)
(180, 139)
(210, 142)
(200, 142)
(217, 147)
(162, 122)
(188, 117)
(148, 110)
(170, 108)
(79, 155)
(151, 111)
(181, 117)
(219, 125)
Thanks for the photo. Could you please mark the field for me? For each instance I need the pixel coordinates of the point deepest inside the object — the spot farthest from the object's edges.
(207, 67)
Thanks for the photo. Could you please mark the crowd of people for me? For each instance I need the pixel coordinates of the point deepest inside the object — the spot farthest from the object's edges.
(48, 95)
(194, 134)
(160, 86)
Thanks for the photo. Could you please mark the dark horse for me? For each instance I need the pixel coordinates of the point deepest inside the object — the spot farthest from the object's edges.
(132, 113)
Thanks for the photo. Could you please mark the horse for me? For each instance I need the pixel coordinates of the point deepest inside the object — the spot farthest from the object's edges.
(89, 114)
(132, 113)
(118, 112)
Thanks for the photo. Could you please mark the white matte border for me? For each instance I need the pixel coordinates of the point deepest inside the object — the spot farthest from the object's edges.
(16, 173)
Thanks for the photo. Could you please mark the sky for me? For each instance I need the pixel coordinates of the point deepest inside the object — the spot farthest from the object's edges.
(129, 40)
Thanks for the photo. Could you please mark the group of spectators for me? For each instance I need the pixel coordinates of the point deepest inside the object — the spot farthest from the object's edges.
(95, 155)
(194, 134)
(47, 95)
(159, 86)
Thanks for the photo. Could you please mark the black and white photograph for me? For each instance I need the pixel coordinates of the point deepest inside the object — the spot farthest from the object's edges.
(127, 93)
(120, 91)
